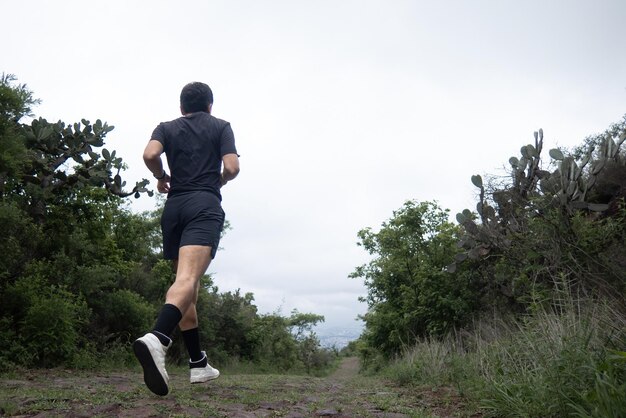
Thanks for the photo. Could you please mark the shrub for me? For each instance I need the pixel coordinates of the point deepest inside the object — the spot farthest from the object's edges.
(553, 363)
(51, 328)
(125, 315)
(540, 364)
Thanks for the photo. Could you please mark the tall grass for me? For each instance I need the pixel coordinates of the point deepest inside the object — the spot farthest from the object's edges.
(561, 361)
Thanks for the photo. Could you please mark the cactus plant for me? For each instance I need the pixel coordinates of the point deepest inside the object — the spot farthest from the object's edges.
(567, 187)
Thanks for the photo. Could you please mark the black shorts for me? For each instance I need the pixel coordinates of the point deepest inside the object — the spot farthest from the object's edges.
(191, 218)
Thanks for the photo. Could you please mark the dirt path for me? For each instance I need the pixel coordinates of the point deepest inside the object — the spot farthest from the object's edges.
(346, 393)
(348, 369)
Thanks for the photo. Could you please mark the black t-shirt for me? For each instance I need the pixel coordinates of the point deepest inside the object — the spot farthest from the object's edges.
(194, 146)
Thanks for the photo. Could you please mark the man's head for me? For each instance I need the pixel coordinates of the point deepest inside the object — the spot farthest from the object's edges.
(196, 97)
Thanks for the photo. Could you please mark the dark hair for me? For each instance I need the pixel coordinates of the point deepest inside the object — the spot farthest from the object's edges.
(196, 97)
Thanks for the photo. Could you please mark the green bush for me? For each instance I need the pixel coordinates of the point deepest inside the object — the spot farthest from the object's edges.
(410, 296)
(12, 351)
(51, 328)
(125, 315)
(20, 240)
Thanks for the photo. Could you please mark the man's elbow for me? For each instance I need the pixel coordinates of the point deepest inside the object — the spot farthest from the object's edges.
(231, 166)
(150, 155)
(232, 170)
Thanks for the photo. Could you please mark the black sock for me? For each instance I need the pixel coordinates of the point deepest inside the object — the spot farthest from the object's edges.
(192, 342)
(199, 364)
(167, 320)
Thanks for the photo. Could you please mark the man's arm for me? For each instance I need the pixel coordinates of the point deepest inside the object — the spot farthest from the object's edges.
(231, 167)
(152, 158)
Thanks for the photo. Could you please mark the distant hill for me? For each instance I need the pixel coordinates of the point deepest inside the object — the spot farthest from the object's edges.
(336, 336)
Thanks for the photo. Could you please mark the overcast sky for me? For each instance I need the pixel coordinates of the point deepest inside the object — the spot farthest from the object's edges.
(342, 110)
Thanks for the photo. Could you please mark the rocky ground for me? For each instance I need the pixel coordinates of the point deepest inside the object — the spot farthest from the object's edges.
(345, 393)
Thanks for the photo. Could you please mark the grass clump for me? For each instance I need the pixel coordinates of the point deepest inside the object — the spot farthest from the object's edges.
(430, 362)
(562, 361)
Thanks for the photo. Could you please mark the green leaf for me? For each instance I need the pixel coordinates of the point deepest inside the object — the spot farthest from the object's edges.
(523, 163)
(579, 205)
(524, 152)
(613, 148)
(106, 154)
(598, 207)
(618, 355)
(474, 253)
(477, 181)
(591, 182)
(514, 162)
(556, 154)
(597, 166)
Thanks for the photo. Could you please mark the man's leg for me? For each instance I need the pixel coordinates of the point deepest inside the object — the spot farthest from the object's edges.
(189, 326)
(189, 330)
(200, 369)
(193, 260)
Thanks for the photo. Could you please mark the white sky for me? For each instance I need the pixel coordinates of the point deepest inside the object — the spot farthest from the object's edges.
(342, 110)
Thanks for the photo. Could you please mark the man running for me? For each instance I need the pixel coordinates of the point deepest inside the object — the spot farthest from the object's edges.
(196, 146)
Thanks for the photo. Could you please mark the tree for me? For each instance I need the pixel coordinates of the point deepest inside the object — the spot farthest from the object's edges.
(63, 263)
(409, 293)
(301, 326)
(15, 102)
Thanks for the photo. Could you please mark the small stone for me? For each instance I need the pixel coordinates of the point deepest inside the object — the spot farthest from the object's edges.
(326, 413)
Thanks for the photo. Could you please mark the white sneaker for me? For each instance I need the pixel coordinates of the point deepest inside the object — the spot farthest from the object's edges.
(203, 374)
(151, 354)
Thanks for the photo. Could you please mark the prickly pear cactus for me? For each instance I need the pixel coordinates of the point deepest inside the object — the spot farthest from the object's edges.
(504, 211)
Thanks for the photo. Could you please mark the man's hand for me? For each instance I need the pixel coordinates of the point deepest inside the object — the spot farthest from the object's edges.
(163, 185)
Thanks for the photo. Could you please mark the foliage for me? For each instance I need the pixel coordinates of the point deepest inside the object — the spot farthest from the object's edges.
(554, 363)
(409, 293)
(227, 321)
(547, 364)
(546, 224)
(46, 321)
(309, 354)
(606, 398)
(81, 275)
(540, 261)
